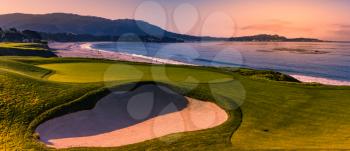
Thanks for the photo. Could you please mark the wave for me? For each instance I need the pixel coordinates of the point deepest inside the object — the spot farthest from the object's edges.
(89, 46)
(302, 78)
(217, 62)
(311, 79)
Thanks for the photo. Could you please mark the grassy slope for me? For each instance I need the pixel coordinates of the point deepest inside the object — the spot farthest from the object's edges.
(293, 116)
(275, 114)
(22, 82)
(23, 97)
(23, 46)
(25, 49)
(22, 68)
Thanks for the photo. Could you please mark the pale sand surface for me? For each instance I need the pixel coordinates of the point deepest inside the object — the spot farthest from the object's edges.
(310, 79)
(123, 118)
(84, 50)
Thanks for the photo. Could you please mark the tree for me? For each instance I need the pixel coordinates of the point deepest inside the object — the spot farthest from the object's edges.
(13, 30)
(1, 34)
(32, 35)
(12, 35)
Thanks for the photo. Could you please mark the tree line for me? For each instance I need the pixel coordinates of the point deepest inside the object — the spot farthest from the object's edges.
(14, 35)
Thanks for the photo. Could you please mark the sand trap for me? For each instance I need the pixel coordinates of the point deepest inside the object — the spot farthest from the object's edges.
(123, 118)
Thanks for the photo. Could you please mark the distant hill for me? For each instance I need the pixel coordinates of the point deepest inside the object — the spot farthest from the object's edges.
(70, 23)
(71, 27)
(87, 25)
(273, 38)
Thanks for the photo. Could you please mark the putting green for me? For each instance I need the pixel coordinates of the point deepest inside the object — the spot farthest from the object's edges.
(99, 72)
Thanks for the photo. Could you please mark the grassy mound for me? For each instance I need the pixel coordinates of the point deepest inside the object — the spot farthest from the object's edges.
(22, 68)
(278, 115)
(276, 112)
(25, 49)
(23, 99)
(262, 74)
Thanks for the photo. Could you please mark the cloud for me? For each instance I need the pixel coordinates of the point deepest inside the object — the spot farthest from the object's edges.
(275, 26)
(341, 31)
(264, 27)
(278, 21)
(342, 26)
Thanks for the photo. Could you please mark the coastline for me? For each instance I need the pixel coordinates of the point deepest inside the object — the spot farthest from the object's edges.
(85, 50)
(325, 81)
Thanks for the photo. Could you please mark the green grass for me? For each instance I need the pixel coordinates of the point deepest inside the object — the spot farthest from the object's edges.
(23, 46)
(276, 112)
(23, 98)
(22, 68)
(25, 49)
(97, 72)
(293, 116)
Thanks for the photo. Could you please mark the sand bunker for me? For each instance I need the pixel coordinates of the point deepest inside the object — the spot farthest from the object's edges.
(122, 118)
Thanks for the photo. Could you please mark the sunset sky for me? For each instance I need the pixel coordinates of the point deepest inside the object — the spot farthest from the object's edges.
(324, 19)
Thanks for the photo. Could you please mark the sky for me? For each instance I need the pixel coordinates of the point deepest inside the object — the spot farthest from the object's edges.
(323, 19)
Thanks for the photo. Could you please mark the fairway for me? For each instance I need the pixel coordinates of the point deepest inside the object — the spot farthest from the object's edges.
(105, 72)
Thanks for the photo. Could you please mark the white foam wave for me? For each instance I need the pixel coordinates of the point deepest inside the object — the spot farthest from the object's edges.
(153, 59)
(310, 79)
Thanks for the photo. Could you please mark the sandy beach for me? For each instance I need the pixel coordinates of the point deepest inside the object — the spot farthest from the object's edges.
(310, 79)
(84, 50)
(123, 118)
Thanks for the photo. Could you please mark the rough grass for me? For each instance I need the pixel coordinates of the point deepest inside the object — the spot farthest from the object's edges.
(263, 74)
(22, 68)
(275, 112)
(23, 98)
(293, 116)
(25, 49)
(23, 46)
(53, 99)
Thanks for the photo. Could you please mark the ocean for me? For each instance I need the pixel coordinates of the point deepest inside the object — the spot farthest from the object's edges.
(326, 60)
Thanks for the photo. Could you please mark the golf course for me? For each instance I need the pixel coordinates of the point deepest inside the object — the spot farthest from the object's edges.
(253, 109)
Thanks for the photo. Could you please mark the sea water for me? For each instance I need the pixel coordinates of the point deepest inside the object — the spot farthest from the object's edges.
(328, 60)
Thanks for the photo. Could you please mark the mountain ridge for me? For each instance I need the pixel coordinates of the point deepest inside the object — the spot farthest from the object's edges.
(58, 25)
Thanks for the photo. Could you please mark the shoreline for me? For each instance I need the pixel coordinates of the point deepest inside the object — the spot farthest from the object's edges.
(85, 50)
(325, 81)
